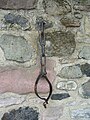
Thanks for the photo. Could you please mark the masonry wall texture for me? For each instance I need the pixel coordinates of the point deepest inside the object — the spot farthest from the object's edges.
(67, 33)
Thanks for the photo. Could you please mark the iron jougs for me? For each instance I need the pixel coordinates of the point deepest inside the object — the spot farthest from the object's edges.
(43, 74)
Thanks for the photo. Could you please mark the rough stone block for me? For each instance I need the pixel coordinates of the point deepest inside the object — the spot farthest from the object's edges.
(60, 96)
(85, 8)
(82, 5)
(85, 53)
(67, 85)
(20, 20)
(17, 4)
(13, 21)
(80, 114)
(56, 7)
(61, 43)
(11, 99)
(85, 68)
(70, 22)
(22, 81)
(84, 90)
(53, 113)
(87, 25)
(21, 114)
(16, 48)
(71, 72)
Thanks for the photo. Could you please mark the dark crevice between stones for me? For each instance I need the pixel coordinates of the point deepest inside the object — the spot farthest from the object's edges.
(60, 96)
(21, 114)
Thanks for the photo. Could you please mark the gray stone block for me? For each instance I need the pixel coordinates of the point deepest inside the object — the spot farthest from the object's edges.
(60, 96)
(67, 85)
(21, 114)
(71, 72)
(20, 20)
(85, 53)
(85, 68)
(53, 113)
(84, 90)
(70, 22)
(16, 48)
(17, 4)
(80, 114)
(56, 7)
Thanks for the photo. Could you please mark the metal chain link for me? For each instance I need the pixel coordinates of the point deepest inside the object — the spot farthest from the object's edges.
(43, 72)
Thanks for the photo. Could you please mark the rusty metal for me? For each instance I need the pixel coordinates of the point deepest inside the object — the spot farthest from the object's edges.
(43, 74)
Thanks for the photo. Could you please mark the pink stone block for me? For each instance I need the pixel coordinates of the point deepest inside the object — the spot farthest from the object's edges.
(22, 81)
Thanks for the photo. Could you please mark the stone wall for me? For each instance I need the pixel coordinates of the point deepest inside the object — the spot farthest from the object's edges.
(67, 34)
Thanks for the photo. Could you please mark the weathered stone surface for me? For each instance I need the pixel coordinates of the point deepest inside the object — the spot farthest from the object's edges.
(70, 72)
(21, 114)
(81, 114)
(17, 20)
(16, 48)
(11, 18)
(67, 85)
(60, 96)
(85, 89)
(85, 53)
(55, 7)
(18, 4)
(87, 25)
(10, 99)
(82, 2)
(78, 15)
(22, 21)
(82, 5)
(22, 81)
(82, 37)
(62, 43)
(53, 113)
(85, 68)
(70, 22)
